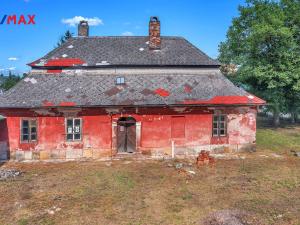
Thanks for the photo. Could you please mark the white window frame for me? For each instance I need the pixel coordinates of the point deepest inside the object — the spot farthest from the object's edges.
(30, 133)
(73, 133)
(218, 128)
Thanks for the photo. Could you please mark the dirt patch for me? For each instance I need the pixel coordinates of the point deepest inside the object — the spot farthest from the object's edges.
(231, 217)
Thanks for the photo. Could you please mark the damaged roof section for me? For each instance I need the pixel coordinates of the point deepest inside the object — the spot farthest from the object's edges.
(124, 51)
(102, 90)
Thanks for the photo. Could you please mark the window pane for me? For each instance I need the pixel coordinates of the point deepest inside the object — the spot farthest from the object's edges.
(215, 125)
(77, 122)
(25, 123)
(215, 132)
(222, 118)
(33, 137)
(70, 130)
(25, 137)
(70, 123)
(69, 137)
(215, 118)
(222, 132)
(77, 129)
(77, 136)
(33, 129)
(33, 123)
(25, 130)
(222, 125)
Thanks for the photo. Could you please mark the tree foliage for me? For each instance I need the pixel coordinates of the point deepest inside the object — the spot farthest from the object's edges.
(9, 81)
(264, 42)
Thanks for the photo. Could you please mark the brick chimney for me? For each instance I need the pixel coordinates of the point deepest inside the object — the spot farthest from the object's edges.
(154, 33)
(83, 29)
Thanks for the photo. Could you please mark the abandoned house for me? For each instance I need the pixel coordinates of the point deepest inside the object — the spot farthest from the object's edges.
(100, 97)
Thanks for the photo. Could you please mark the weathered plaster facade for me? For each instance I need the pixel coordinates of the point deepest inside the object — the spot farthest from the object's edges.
(154, 135)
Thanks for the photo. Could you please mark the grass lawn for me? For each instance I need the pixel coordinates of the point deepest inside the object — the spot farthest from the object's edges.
(152, 192)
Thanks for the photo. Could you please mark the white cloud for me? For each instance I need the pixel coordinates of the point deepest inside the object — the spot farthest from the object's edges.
(127, 33)
(12, 58)
(11, 68)
(2, 69)
(95, 21)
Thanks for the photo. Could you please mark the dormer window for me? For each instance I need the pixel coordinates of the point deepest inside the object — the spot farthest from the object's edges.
(120, 80)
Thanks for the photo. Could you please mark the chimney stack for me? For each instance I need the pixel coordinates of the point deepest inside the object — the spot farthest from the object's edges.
(83, 29)
(154, 33)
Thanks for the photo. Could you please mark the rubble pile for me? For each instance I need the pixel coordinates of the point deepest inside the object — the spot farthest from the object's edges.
(204, 159)
(8, 173)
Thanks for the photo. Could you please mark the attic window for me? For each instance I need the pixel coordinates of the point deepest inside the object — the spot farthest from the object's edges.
(120, 80)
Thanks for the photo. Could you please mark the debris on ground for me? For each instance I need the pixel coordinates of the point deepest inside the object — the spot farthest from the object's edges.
(204, 159)
(276, 155)
(265, 156)
(53, 210)
(191, 172)
(183, 168)
(297, 154)
(9, 173)
(230, 217)
(108, 163)
(179, 165)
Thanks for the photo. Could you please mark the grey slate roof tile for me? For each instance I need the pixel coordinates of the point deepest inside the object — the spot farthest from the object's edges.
(101, 90)
(175, 51)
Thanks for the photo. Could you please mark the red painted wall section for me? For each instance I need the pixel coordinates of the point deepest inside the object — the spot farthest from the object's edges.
(156, 130)
(178, 126)
(51, 134)
(198, 129)
(97, 131)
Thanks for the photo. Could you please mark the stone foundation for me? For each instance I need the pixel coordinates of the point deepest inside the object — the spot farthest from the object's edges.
(76, 154)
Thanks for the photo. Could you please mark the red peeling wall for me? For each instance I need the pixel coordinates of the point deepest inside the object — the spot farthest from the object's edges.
(191, 128)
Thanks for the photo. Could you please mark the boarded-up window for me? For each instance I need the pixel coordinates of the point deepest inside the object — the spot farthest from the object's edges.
(28, 130)
(178, 127)
(73, 129)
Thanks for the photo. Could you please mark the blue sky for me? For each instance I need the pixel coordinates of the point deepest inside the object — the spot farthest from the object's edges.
(202, 22)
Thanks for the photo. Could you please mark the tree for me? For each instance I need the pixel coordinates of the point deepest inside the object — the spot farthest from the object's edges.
(64, 38)
(264, 46)
(10, 81)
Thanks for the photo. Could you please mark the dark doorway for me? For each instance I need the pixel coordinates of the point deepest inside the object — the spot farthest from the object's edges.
(126, 135)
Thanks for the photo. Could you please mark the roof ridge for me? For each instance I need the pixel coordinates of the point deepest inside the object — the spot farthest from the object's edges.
(131, 36)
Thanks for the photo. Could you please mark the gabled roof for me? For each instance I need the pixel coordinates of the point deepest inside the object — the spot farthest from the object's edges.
(125, 51)
(47, 90)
